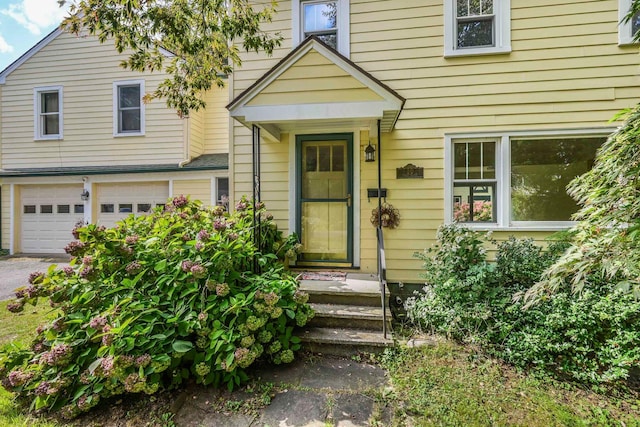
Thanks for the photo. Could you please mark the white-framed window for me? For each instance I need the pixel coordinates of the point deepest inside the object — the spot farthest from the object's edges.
(128, 108)
(518, 179)
(327, 20)
(47, 102)
(477, 27)
(626, 30)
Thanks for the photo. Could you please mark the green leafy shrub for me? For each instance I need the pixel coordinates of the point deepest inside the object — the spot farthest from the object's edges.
(592, 337)
(180, 293)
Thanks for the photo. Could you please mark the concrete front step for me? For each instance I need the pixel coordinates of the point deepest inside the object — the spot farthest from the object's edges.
(344, 342)
(356, 289)
(352, 316)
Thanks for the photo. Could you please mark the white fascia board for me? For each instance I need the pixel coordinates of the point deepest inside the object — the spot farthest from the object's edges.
(28, 54)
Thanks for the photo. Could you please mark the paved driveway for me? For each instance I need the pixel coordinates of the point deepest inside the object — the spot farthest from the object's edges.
(14, 271)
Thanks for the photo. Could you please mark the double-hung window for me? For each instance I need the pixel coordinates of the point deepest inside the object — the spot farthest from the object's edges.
(48, 112)
(477, 27)
(516, 180)
(327, 20)
(626, 30)
(128, 108)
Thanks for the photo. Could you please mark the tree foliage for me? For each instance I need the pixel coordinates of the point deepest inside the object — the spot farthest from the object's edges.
(195, 42)
(605, 248)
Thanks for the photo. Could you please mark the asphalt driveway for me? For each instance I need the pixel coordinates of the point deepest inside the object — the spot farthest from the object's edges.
(14, 271)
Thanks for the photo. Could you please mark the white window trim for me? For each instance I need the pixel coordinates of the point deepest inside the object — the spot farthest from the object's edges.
(624, 28)
(37, 129)
(117, 84)
(503, 176)
(343, 25)
(502, 11)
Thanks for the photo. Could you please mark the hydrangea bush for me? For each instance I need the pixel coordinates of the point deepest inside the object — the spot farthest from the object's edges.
(182, 293)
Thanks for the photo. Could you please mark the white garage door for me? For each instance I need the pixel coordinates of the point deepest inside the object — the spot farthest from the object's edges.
(49, 213)
(117, 201)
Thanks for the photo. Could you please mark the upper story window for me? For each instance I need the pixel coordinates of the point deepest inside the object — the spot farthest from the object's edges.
(477, 27)
(515, 180)
(128, 108)
(327, 20)
(626, 30)
(48, 112)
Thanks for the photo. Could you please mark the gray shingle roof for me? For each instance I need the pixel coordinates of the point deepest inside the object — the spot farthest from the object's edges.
(204, 162)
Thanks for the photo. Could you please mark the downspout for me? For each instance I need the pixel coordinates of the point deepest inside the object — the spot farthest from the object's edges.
(186, 144)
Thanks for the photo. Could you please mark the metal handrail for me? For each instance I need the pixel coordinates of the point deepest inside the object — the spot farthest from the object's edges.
(382, 278)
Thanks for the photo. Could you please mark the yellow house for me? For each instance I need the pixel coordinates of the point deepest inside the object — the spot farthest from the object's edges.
(475, 111)
(78, 144)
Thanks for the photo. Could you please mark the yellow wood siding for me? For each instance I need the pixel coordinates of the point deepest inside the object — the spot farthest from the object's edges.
(216, 121)
(86, 69)
(196, 189)
(314, 79)
(565, 71)
(196, 134)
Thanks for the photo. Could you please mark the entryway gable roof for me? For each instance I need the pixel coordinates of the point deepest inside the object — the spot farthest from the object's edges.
(315, 82)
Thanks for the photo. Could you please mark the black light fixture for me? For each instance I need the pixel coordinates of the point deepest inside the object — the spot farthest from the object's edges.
(84, 195)
(369, 153)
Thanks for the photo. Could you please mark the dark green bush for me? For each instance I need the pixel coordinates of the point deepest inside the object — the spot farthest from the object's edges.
(592, 337)
(180, 293)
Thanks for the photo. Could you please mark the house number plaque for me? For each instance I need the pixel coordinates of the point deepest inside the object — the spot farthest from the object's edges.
(410, 171)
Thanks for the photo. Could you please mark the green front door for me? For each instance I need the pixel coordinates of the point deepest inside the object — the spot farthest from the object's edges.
(325, 198)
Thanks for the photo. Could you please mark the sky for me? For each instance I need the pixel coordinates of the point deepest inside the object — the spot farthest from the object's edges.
(23, 23)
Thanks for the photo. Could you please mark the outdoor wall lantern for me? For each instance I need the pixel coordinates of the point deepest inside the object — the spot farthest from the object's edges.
(369, 153)
(84, 195)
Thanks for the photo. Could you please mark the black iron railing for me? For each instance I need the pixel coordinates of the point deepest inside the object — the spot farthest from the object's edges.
(382, 278)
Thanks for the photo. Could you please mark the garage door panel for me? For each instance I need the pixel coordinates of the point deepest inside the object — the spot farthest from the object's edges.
(118, 201)
(49, 213)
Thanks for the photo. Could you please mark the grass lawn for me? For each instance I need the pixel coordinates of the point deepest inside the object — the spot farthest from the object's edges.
(449, 385)
(19, 330)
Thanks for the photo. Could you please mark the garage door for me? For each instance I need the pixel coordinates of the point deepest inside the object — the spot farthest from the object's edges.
(49, 213)
(117, 201)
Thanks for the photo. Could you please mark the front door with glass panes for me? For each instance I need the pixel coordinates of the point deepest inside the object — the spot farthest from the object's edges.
(325, 205)
(474, 181)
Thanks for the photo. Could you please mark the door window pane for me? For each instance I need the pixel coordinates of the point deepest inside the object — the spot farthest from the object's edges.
(325, 158)
(125, 208)
(79, 209)
(63, 209)
(106, 208)
(46, 209)
(540, 172)
(311, 158)
(144, 207)
(338, 158)
(29, 209)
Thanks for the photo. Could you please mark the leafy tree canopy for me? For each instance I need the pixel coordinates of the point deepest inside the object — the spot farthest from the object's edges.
(195, 42)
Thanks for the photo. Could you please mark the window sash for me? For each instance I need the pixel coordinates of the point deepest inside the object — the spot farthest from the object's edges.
(129, 117)
(328, 34)
(49, 113)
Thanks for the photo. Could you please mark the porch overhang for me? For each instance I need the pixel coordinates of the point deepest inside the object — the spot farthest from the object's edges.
(315, 86)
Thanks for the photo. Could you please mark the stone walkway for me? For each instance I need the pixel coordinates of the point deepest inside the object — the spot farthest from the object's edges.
(319, 391)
